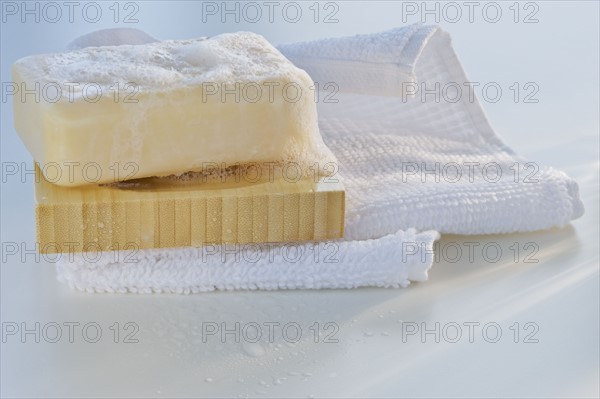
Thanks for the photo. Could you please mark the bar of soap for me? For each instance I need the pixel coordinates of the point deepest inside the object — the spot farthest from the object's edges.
(175, 212)
(105, 114)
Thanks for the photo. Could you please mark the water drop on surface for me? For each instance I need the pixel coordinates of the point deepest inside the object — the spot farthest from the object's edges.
(253, 349)
(208, 379)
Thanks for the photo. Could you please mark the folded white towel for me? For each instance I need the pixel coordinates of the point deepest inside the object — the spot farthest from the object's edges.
(344, 264)
(385, 145)
(386, 138)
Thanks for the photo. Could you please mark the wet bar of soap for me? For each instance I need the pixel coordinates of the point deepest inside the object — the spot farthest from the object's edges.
(104, 114)
(169, 212)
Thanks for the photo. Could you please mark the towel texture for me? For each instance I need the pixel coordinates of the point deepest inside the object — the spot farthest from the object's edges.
(344, 264)
(432, 163)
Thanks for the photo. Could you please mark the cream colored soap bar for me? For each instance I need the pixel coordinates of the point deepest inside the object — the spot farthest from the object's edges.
(168, 212)
(103, 114)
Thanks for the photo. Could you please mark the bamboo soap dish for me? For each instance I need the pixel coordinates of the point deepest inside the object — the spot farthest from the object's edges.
(171, 212)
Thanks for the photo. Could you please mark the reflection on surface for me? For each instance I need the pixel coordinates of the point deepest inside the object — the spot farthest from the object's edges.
(173, 329)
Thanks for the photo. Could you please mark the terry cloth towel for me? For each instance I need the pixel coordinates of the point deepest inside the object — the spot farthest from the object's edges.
(409, 163)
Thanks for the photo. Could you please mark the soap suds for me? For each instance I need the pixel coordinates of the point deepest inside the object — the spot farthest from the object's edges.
(231, 57)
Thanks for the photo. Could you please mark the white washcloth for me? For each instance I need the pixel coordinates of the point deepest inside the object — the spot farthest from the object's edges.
(380, 141)
(385, 137)
(344, 264)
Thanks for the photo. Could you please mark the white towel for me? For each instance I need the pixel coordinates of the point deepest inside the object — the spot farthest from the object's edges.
(386, 138)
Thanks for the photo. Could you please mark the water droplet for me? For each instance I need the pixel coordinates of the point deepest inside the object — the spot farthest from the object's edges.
(208, 379)
(307, 374)
(385, 334)
(253, 349)
(368, 334)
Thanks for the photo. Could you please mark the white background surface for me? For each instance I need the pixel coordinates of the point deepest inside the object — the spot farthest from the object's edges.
(560, 293)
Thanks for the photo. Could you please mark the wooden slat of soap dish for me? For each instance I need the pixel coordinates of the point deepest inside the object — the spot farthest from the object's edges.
(165, 212)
